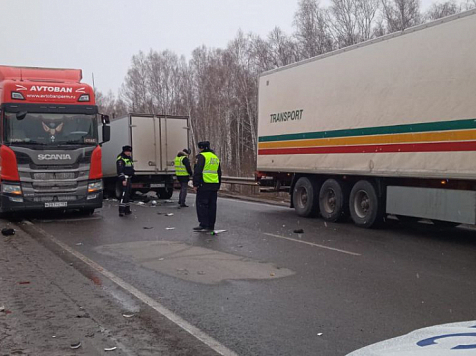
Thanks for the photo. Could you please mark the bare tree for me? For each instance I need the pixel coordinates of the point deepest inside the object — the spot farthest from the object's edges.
(439, 10)
(352, 21)
(469, 5)
(283, 50)
(312, 29)
(110, 105)
(366, 18)
(401, 14)
(135, 89)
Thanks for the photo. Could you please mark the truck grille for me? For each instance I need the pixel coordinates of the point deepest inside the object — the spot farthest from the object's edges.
(54, 176)
(54, 186)
(46, 199)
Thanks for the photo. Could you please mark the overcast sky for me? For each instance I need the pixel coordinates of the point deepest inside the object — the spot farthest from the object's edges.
(100, 36)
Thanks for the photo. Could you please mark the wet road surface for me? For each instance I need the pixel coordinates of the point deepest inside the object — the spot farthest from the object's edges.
(260, 289)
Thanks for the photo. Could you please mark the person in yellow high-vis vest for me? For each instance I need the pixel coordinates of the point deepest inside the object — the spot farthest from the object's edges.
(125, 172)
(183, 171)
(206, 183)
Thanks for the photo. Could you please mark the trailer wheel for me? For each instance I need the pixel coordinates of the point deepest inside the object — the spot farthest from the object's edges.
(305, 197)
(333, 200)
(165, 193)
(365, 205)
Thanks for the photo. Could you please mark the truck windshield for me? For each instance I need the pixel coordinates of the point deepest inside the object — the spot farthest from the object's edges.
(51, 129)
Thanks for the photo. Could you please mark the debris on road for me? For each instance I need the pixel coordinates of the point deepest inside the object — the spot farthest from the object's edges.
(125, 315)
(170, 228)
(216, 232)
(161, 259)
(148, 227)
(110, 348)
(169, 214)
(8, 231)
(79, 244)
(325, 224)
(168, 201)
(319, 334)
(24, 282)
(299, 231)
(153, 202)
(201, 273)
(2, 309)
(76, 345)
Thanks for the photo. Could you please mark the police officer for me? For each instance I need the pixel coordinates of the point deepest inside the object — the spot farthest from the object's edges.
(183, 171)
(206, 182)
(125, 172)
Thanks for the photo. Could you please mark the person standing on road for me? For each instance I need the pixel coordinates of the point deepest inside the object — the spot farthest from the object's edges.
(183, 171)
(125, 172)
(206, 183)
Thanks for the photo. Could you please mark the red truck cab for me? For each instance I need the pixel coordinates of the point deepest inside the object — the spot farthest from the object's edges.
(50, 154)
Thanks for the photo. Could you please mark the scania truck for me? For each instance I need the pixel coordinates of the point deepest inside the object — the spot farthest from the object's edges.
(385, 127)
(50, 154)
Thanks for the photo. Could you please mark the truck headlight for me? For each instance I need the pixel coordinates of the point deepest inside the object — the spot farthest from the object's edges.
(11, 189)
(95, 186)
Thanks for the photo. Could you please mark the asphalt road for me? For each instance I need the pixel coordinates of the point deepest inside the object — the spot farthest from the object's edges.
(261, 289)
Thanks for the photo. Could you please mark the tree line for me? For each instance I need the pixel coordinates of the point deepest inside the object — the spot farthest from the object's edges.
(218, 87)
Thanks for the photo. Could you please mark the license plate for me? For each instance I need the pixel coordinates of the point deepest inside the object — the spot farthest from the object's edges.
(158, 185)
(56, 204)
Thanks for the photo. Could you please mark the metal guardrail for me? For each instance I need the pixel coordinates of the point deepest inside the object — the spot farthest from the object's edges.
(239, 180)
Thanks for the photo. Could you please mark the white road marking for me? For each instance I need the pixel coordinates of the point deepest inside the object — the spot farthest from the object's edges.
(192, 330)
(313, 244)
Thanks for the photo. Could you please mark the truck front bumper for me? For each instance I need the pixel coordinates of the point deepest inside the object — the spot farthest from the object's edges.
(11, 204)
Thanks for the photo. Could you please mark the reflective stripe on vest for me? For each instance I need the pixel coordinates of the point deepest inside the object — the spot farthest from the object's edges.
(210, 170)
(180, 169)
(127, 161)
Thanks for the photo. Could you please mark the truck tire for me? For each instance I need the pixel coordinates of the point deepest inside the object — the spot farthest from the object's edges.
(364, 205)
(333, 200)
(165, 193)
(306, 197)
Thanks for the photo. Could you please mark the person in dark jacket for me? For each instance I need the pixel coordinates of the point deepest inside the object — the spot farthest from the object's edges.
(125, 172)
(206, 183)
(183, 171)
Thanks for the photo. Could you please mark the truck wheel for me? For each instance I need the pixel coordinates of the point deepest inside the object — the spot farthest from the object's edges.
(165, 193)
(305, 197)
(333, 200)
(365, 205)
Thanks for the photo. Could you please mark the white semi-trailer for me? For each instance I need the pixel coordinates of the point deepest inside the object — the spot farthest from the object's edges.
(383, 127)
(155, 141)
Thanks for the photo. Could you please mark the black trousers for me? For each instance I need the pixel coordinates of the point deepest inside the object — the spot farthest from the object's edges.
(207, 207)
(124, 205)
(183, 192)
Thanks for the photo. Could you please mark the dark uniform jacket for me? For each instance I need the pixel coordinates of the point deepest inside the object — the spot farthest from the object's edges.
(122, 169)
(198, 175)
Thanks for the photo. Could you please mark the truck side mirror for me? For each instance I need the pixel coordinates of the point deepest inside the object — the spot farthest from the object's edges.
(106, 133)
(105, 119)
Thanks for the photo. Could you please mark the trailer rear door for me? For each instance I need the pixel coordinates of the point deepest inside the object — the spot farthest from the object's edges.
(174, 138)
(144, 149)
